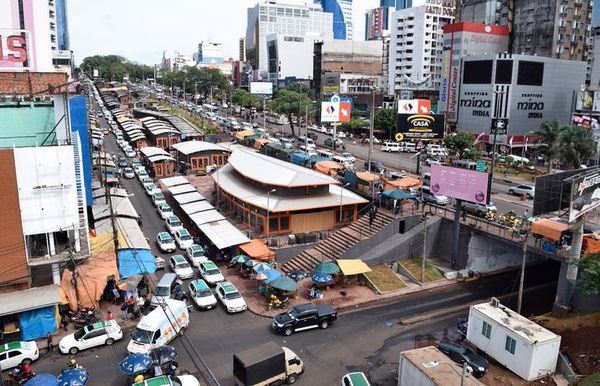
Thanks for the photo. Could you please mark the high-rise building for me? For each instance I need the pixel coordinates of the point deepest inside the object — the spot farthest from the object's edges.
(242, 53)
(464, 40)
(493, 12)
(404, 4)
(209, 53)
(291, 18)
(415, 52)
(595, 61)
(343, 28)
(377, 23)
(50, 51)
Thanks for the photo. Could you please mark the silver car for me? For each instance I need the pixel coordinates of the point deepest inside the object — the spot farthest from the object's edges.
(519, 190)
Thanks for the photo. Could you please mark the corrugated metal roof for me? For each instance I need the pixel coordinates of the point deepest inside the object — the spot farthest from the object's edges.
(189, 147)
(186, 198)
(180, 189)
(130, 230)
(29, 299)
(222, 234)
(230, 181)
(174, 181)
(161, 157)
(206, 217)
(152, 151)
(195, 207)
(271, 171)
(121, 206)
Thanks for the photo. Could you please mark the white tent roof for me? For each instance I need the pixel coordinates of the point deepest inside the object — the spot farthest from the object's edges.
(186, 198)
(206, 217)
(174, 181)
(152, 151)
(222, 234)
(189, 147)
(29, 299)
(195, 207)
(181, 189)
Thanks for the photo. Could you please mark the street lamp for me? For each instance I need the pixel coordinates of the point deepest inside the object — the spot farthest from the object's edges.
(524, 144)
(341, 198)
(268, 210)
(371, 128)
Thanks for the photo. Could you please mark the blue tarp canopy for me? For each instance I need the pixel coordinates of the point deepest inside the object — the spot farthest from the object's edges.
(135, 262)
(36, 324)
(397, 194)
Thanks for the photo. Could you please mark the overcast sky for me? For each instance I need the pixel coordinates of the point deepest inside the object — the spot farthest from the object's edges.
(140, 30)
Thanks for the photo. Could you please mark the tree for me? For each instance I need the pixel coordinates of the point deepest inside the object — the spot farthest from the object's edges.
(355, 124)
(385, 120)
(575, 145)
(589, 277)
(290, 103)
(459, 144)
(115, 67)
(245, 99)
(548, 134)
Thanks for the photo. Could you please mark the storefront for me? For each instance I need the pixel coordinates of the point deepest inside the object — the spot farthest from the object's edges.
(199, 155)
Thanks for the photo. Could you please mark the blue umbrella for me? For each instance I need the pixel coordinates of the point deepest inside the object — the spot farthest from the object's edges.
(73, 377)
(261, 267)
(250, 263)
(240, 259)
(321, 278)
(135, 363)
(284, 284)
(272, 274)
(43, 379)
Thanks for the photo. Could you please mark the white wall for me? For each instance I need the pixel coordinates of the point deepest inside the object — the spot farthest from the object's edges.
(47, 191)
(527, 357)
(410, 375)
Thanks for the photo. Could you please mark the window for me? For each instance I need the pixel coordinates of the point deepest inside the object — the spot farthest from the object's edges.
(510, 344)
(477, 72)
(13, 354)
(504, 71)
(486, 330)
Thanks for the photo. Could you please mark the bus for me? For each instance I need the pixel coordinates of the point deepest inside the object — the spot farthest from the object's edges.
(276, 119)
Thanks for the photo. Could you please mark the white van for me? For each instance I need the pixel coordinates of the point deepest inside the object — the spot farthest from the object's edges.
(436, 151)
(391, 147)
(159, 327)
(409, 147)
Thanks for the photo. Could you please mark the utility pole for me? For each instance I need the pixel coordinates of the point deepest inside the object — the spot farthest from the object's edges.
(422, 279)
(371, 128)
(522, 276)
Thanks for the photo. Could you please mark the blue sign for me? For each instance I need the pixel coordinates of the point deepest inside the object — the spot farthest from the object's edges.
(336, 98)
(347, 100)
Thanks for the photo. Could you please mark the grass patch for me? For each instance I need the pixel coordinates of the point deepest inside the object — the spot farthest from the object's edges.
(592, 380)
(572, 322)
(414, 267)
(386, 280)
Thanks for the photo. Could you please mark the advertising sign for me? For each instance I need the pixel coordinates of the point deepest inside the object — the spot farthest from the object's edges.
(499, 126)
(414, 106)
(585, 195)
(419, 126)
(585, 100)
(462, 184)
(264, 88)
(335, 111)
(14, 50)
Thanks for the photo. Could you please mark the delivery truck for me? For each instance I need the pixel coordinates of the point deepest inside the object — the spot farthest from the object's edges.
(267, 364)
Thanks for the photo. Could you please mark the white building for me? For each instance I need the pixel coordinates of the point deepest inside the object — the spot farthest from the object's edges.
(428, 366)
(290, 18)
(290, 56)
(209, 53)
(416, 42)
(524, 347)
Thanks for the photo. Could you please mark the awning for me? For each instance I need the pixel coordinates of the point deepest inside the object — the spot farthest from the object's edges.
(181, 189)
(366, 176)
(195, 207)
(206, 216)
(174, 181)
(257, 250)
(405, 183)
(104, 242)
(29, 299)
(548, 228)
(186, 198)
(243, 134)
(352, 266)
(222, 234)
(397, 194)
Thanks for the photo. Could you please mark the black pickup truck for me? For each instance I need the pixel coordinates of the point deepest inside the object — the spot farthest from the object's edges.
(304, 317)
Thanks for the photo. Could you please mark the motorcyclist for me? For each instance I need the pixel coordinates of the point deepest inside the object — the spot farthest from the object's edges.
(172, 368)
(26, 371)
(73, 364)
(138, 379)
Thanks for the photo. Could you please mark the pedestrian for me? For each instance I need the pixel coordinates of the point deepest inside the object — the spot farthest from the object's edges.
(130, 304)
(525, 215)
(139, 220)
(206, 249)
(109, 316)
(124, 310)
(49, 342)
(64, 322)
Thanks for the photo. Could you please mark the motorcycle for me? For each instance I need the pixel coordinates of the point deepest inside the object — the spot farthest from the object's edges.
(86, 316)
(275, 302)
(17, 377)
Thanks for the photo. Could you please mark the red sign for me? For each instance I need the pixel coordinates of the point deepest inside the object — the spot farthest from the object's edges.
(345, 112)
(13, 48)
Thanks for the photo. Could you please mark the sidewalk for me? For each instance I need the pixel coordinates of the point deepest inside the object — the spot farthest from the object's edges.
(357, 296)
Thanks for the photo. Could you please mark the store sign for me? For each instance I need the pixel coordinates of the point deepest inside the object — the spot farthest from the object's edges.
(462, 184)
(414, 106)
(585, 195)
(532, 104)
(264, 88)
(419, 126)
(440, 7)
(335, 111)
(14, 49)
(478, 102)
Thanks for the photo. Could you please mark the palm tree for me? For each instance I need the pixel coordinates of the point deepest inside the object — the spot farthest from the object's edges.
(576, 145)
(549, 132)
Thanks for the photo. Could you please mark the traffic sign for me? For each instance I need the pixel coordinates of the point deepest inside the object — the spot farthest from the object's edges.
(480, 166)
(420, 145)
(499, 126)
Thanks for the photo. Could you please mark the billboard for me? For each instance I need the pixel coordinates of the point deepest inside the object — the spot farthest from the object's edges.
(585, 194)
(335, 111)
(552, 192)
(419, 126)
(462, 184)
(15, 45)
(414, 106)
(264, 88)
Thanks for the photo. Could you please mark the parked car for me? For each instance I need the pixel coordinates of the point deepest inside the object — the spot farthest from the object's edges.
(376, 166)
(165, 242)
(230, 297)
(391, 147)
(196, 255)
(97, 334)
(304, 317)
(183, 238)
(429, 196)
(355, 379)
(329, 142)
(340, 134)
(478, 209)
(527, 190)
(210, 272)
(159, 262)
(122, 162)
(173, 224)
(129, 152)
(181, 267)
(128, 173)
(433, 161)
(158, 198)
(464, 356)
(165, 211)
(201, 294)
(349, 156)
(312, 136)
(150, 189)
(14, 353)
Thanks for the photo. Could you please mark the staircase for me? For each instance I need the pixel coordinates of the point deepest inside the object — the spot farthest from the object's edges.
(338, 243)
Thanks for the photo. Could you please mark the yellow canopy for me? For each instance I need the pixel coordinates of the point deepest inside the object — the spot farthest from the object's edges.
(352, 266)
(104, 242)
(243, 134)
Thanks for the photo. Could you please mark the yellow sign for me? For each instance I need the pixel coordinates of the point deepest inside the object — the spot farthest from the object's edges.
(399, 137)
(331, 88)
